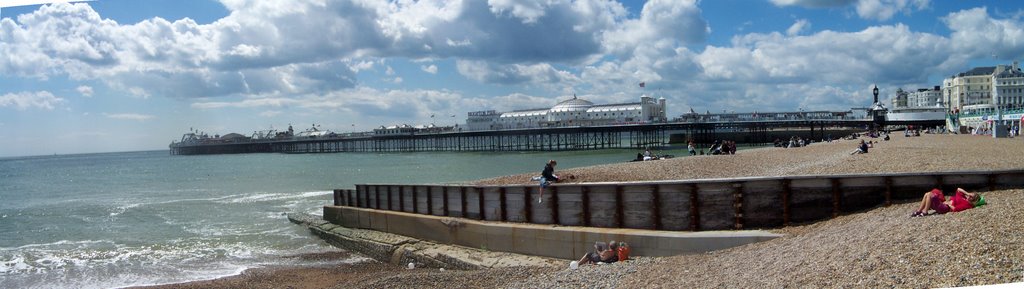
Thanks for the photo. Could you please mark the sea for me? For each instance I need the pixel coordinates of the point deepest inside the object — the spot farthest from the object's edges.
(113, 220)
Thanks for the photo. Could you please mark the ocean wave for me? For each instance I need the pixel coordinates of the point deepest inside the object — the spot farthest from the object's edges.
(63, 255)
(266, 197)
(61, 244)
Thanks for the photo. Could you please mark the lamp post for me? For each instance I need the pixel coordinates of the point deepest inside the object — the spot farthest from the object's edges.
(998, 128)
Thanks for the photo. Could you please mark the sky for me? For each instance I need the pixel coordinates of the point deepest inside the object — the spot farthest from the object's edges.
(129, 75)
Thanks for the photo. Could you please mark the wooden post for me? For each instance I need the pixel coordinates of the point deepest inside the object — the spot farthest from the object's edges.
(337, 197)
(619, 215)
(585, 199)
(694, 209)
(888, 191)
(430, 200)
(656, 206)
(444, 202)
(462, 199)
(836, 196)
(501, 204)
(787, 192)
(737, 194)
(349, 197)
(415, 200)
(356, 196)
(527, 205)
(554, 205)
(480, 193)
(401, 198)
(376, 199)
(359, 196)
(391, 199)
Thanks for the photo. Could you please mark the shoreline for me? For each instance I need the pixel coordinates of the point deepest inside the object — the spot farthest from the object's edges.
(882, 242)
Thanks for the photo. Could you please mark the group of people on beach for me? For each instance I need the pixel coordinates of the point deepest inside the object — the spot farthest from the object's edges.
(794, 142)
(647, 155)
(605, 253)
(725, 147)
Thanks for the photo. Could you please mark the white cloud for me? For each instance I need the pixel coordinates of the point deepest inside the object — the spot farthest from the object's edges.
(432, 69)
(270, 113)
(540, 73)
(870, 55)
(978, 35)
(868, 9)
(16, 3)
(528, 10)
(813, 3)
(85, 90)
(247, 103)
(129, 116)
(26, 100)
(885, 9)
(661, 22)
(798, 27)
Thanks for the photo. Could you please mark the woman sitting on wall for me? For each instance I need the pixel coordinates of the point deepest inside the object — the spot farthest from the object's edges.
(935, 200)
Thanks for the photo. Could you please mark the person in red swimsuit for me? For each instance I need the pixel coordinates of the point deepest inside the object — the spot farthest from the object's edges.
(934, 200)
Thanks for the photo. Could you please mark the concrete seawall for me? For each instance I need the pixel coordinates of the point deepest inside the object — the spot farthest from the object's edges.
(530, 239)
(400, 250)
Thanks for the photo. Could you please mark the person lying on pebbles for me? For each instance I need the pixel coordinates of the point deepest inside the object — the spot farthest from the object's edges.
(935, 200)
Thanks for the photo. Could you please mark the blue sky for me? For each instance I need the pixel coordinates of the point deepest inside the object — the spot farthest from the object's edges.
(124, 75)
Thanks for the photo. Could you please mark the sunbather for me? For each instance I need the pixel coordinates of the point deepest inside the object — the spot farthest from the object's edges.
(935, 200)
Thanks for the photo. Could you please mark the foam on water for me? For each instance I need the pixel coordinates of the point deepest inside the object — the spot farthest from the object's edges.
(266, 197)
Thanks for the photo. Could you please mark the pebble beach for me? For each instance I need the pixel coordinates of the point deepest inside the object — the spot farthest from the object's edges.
(880, 247)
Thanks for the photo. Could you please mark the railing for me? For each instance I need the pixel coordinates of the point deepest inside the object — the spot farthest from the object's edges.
(710, 204)
(990, 112)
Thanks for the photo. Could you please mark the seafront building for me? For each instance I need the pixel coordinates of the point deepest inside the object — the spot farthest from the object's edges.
(571, 112)
(982, 95)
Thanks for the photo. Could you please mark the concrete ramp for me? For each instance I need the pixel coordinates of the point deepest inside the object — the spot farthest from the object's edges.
(553, 241)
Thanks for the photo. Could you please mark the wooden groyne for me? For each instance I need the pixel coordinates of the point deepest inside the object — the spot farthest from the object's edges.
(693, 205)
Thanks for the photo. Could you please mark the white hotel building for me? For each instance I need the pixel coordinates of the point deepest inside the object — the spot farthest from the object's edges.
(976, 94)
(571, 112)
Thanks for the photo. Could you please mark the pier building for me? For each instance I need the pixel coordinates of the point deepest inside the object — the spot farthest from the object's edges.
(571, 112)
(922, 104)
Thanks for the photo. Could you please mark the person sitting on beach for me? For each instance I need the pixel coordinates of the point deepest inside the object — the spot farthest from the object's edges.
(862, 148)
(716, 148)
(691, 148)
(623, 251)
(647, 155)
(935, 200)
(601, 253)
(546, 177)
(613, 246)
